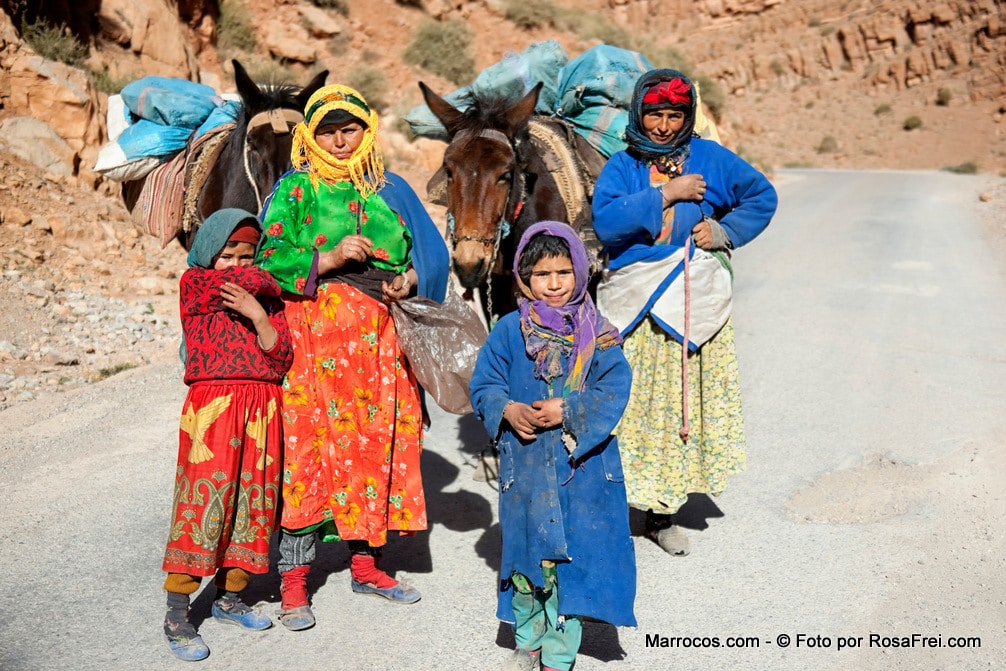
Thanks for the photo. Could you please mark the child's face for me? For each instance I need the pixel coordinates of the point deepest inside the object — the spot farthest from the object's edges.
(661, 126)
(552, 280)
(241, 254)
(340, 139)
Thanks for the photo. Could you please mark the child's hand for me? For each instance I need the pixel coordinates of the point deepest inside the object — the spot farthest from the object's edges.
(548, 413)
(683, 187)
(238, 299)
(522, 418)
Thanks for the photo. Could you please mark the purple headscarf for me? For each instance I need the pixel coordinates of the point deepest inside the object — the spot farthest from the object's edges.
(573, 329)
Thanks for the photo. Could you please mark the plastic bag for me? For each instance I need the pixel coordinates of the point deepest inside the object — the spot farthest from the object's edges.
(441, 342)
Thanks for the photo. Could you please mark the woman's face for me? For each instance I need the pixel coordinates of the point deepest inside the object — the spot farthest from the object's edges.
(552, 280)
(241, 254)
(340, 139)
(661, 126)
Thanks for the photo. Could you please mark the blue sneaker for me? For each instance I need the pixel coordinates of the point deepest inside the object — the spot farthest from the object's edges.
(400, 593)
(183, 641)
(236, 611)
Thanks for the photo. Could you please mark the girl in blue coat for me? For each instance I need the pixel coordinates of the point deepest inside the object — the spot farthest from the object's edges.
(550, 385)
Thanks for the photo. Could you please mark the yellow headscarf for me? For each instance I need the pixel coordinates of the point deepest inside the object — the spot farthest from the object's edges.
(365, 168)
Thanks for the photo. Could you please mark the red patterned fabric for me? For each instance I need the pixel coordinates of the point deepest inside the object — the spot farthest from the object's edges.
(222, 344)
(227, 481)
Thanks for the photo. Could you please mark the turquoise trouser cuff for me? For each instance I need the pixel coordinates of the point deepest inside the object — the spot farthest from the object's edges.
(537, 624)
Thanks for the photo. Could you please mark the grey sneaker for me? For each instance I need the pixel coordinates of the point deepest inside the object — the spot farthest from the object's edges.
(522, 660)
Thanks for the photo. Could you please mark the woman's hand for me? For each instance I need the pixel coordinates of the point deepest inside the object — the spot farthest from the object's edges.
(549, 413)
(350, 248)
(522, 418)
(683, 187)
(400, 287)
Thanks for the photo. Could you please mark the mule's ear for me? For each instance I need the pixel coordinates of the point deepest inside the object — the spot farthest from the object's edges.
(316, 83)
(436, 188)
(522, 110)
(449, 115)
(249, 91)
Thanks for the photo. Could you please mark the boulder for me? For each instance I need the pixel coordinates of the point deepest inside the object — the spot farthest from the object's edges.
(151, 29)
(34, 141)
(290, 41)
(319, 22)
(58, 93)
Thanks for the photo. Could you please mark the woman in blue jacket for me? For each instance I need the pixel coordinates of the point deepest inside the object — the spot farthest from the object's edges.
(674, 206)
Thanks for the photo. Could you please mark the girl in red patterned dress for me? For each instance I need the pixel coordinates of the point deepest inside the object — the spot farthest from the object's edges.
(227, 483)
(344, 238)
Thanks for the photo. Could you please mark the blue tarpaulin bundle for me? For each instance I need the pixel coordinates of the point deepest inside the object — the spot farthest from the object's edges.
(595, 94)
(160, 115)
(170, 102)
(592, 91)
(511, 77)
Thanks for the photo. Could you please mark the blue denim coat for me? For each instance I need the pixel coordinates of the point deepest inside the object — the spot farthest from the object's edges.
(570, 509)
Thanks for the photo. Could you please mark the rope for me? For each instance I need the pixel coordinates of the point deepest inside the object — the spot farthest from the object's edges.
(683, 432)
(198, 167)
(251, 178)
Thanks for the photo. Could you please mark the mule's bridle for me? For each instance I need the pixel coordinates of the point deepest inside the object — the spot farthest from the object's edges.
(280, 119)
(503, 225)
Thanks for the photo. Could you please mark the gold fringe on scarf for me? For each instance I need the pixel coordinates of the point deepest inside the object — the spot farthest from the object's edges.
(365, 168)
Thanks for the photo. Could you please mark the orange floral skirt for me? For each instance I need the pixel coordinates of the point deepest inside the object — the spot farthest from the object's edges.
(352, 420)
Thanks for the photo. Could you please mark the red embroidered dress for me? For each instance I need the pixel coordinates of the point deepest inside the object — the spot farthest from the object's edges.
(230, 440)
(352, 418)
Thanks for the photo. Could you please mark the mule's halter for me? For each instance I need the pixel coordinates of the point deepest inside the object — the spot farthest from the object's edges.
(503, 225)
(280, 119)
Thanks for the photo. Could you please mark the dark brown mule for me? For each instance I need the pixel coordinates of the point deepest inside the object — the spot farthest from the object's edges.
(499, 179)
(257, 152)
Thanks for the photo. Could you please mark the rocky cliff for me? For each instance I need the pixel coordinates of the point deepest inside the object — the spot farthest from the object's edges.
(827, 83)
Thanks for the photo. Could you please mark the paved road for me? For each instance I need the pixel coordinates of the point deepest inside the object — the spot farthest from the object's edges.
(870, 319)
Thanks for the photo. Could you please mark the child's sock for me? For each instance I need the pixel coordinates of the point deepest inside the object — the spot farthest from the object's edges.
(176, 620)
(364, 569)
(293, 587)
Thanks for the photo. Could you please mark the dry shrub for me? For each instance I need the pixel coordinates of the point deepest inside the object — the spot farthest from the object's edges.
(371, 83)
(530, 15)
(828, 145)
(443, 48)
(340, 6)
(966, 168)
(234, 29)
(56, 43)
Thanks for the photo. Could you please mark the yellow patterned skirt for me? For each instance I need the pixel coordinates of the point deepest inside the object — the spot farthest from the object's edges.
(660, 469)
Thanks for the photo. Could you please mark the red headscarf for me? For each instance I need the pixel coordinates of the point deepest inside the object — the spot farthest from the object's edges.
(672, 93)
(246, 232)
